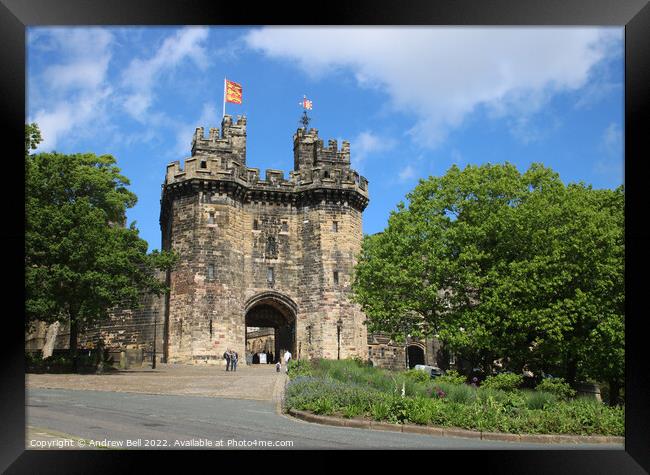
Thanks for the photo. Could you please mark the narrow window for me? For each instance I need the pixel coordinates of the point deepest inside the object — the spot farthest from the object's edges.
(326, 174)
(180, 329)
(335, 226)
(211, 217)
(369, 349)
(269, 276)
(204, 164)
(255, 225)
(210, 329)
(223, 163)
(381, 352)
(285, 226)
(210, 271)
(336, 277)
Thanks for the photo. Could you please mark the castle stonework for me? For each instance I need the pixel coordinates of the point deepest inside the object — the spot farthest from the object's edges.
(274, 252)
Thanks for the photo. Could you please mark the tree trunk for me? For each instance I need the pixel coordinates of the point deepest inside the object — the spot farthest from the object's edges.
(571, 371)
(74, 334)
(614, 392)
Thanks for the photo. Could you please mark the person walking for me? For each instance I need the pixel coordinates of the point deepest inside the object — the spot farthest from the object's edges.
(226, 356)
(234, 357)
(287, 357)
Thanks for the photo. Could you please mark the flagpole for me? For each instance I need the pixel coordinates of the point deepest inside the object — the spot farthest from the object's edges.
(224, 98)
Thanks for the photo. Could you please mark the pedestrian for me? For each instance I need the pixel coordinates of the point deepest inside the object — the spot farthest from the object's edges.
(287, 357)
(234, 357)
(226, 356)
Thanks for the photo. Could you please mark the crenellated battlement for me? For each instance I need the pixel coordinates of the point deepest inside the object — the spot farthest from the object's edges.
(230, 143)
(220, 161)
(309, 151)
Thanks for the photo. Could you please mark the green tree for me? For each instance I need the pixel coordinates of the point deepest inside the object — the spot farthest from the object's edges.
(503, 264)
(80, 259)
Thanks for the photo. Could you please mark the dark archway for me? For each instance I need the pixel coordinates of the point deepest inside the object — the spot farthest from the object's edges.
(415, 355)
(277, 311)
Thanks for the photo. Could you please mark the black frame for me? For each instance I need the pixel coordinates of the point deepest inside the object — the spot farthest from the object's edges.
(15, 15)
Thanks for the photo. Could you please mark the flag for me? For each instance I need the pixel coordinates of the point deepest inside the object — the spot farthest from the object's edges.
(233, 92)
(306, 103)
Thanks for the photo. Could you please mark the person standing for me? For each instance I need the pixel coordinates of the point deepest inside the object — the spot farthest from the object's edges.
(226, 356)
(234, 357)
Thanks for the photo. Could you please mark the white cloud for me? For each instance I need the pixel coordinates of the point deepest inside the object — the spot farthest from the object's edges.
(76, 86)
(406, 174)
(141, 75)
(442, 75)
(367, 143)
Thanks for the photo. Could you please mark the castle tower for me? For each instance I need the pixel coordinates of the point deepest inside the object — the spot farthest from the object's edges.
(270, 252)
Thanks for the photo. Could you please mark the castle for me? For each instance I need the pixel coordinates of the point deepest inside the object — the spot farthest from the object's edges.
(273, 255)
(271, 252)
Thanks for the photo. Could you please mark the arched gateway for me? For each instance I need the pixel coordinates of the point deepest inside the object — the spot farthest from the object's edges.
(277, 311)
(247, 242)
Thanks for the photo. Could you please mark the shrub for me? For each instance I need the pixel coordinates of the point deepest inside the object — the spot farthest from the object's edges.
(417, 376)
(380, 410)
(452, 377)
(487, 409)
(297, 368)
(540, 399)
(461, 393)
(556, 386)
(503, 381)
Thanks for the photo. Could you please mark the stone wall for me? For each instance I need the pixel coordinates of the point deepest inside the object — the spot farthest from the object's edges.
(386, 353)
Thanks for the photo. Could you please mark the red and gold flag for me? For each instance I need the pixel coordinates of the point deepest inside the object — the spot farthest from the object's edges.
(233, 92)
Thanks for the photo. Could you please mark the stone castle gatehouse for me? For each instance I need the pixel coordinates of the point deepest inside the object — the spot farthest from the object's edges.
(264, 252)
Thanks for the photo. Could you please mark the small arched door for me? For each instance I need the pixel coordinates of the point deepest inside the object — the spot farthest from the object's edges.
(416, 355)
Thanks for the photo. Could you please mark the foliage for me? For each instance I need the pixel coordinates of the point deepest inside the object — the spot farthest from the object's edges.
(299, 368)
(337, 388)
(417, 376)
(556, 386)
(503, 381)
(503, 264)
(80, 259)
(63, 363)
(540, 399)
(486, 409)
(451, 377)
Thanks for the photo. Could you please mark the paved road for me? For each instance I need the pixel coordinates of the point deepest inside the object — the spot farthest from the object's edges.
(234, 423)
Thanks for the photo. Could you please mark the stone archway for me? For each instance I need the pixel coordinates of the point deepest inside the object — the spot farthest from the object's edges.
(415, 355)
(274, 310)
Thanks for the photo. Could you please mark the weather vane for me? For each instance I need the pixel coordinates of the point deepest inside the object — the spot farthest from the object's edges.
(306, 105)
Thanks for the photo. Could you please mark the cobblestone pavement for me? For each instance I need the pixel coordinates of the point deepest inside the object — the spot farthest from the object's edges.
(258, 382)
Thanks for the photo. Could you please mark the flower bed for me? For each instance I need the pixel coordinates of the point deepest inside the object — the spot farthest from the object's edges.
(349, 389)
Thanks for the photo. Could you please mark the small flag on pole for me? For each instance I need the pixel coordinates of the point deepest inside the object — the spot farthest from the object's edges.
(233, 92)
(306, 103)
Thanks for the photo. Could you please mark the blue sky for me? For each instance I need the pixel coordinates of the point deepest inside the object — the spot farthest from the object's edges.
(412, 101)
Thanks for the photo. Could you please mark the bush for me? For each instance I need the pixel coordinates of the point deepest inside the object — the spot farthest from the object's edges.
(556, 386)
(417, 376)
(297, 368)
(503, 382)
(487, 409)
(540, 399)
(461, 393)
(451, 377)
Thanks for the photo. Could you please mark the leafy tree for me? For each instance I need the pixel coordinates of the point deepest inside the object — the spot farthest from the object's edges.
(80, 259)
(503, 264)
